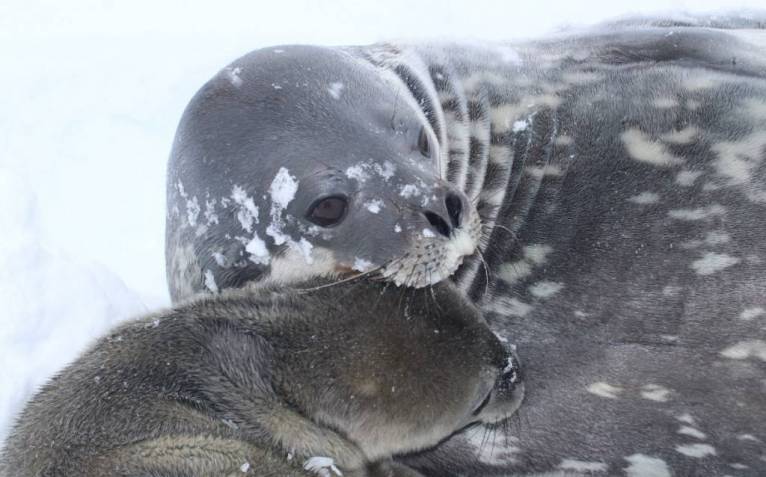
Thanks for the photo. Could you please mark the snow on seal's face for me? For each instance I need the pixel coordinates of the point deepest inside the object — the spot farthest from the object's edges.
(310, 162)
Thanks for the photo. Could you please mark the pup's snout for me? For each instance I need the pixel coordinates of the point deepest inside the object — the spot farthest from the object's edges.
(508, 390)
(507, 363)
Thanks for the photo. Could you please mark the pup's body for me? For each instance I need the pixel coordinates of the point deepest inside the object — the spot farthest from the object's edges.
(258, 382)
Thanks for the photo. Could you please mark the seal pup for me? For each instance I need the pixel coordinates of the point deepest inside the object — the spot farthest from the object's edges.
(271, 382)
(619, 175)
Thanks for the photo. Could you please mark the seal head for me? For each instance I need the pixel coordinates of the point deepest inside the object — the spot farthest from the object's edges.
(305, 161)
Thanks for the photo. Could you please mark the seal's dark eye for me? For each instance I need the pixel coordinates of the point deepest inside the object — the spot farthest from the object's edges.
(328, 211)
(424, 144)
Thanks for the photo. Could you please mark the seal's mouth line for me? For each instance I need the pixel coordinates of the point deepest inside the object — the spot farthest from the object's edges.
(483, 404)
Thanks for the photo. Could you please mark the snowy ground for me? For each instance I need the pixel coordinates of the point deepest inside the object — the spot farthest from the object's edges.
(91, 94)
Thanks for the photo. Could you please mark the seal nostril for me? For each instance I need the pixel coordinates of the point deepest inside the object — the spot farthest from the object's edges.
(438, 223)
(511, 372)
(454, 209)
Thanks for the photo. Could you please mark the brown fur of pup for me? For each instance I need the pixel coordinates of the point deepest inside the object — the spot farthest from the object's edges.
(255, 382)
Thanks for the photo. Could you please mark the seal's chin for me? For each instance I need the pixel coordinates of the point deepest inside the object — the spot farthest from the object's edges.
(430, 261)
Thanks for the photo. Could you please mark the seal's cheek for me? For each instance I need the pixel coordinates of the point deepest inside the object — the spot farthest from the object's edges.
(367, 241)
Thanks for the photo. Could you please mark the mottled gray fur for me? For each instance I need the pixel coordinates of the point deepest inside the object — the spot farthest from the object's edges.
(619, 175)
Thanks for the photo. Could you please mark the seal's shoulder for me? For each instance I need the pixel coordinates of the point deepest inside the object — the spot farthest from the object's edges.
(744, 19)
(725, 43)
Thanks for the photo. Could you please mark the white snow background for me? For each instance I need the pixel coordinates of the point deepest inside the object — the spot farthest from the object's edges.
(90, 95)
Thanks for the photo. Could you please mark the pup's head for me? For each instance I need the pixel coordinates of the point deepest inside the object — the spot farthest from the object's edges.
(394, 370)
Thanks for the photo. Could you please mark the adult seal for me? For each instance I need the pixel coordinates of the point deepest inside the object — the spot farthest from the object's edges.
(619, 179)
(271, 382)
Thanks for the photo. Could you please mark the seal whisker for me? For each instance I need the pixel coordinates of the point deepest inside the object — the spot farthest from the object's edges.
(511, 232)
(471, 438)
(381, 295)
(338, 282)
(433, 297)
(487, 441)
(494, 438)
(408, 280)
(507, 431)
(486, 271)
(431, 290)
